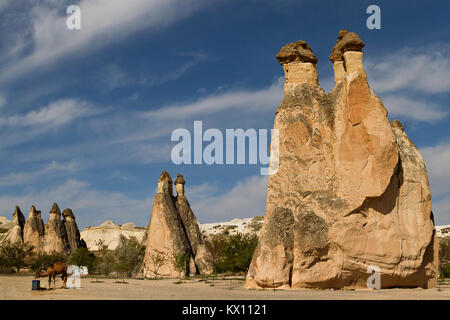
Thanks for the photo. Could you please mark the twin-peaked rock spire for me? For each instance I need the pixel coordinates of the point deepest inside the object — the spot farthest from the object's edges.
(173, 231)
(351, 190)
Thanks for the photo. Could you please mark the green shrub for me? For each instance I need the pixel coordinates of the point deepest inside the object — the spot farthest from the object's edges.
(44, 260)
(17, 255)
(232, 253)
(129, 256)
(83, 257)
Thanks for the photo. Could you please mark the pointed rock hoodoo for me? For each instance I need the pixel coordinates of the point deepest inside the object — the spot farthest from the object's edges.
(351, 190)
(72, 231)
(55, 236)
(33, 231)
(166, 236)
(15, 234)
(200, 253)
(173, 231)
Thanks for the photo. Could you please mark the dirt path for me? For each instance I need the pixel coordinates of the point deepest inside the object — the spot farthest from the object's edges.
(19, 287)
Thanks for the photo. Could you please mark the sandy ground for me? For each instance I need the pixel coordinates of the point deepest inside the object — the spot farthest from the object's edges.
(19, 287)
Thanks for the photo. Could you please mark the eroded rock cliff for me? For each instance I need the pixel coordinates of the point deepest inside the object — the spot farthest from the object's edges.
(351, 190)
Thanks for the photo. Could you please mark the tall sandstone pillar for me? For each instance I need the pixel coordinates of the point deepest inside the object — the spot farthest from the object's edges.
(55, 236)
(15, 234)
(201, 255)
(33, 231)
(351, 191)
(166, 235)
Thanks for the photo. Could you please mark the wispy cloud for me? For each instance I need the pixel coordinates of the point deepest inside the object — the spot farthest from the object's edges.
(103, 22)
(38, 122)
(114, 76)
(246, 199)
(91, 206)
(52, 169)
(422, 68)
(415, 109)
(244, 100)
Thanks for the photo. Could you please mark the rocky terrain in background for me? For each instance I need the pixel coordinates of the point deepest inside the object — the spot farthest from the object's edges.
(110, 233)
(352, 189)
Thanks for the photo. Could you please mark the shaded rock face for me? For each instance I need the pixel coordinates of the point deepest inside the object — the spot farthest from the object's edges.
(170, 235)
(15, 234)
(201, 255)
(33, 231)
(55, 235)
(352, 190)
(73, 234)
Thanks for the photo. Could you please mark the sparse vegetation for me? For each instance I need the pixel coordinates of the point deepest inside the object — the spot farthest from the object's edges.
(181, 262)
(15, 255)
(44, 260)
(444, 257)
(158, 259)
(83, 257)
(232, 253)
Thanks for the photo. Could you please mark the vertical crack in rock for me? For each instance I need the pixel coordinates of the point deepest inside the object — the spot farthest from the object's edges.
(352, 189)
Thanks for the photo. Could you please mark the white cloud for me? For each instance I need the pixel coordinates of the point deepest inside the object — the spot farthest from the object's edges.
(415, 109)
(55, 114)
(246, 199)
(25, 127)
(91, 206)
(23, 178)
(423, 68)
(441, 211)
(102, 22)
(437, 160)
(245, 101)
(4, 4)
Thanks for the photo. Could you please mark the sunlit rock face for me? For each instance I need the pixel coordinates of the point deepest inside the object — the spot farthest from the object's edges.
(55, 235)
(352, 190)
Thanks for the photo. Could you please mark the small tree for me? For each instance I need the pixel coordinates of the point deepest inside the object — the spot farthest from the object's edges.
(17, 254)
(444, 257)
(129, 255)
(181, 262)
(44, 260)
(83, 257)
(157, 259)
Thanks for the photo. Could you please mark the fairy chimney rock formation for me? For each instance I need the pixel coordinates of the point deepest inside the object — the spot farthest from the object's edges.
(33, 231)
(55, 236)
(202, 258)
(299, 64)
(72, 231)
(351, 190)
(15, 234)
(166, 236)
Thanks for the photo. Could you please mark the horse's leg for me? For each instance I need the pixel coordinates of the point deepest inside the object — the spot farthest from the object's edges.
(54, 282)
(49, 282)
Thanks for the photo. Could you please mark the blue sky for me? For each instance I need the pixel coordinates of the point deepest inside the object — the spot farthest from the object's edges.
(86, 115)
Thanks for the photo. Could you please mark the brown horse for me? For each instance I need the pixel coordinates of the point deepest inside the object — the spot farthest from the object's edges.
(57, 268)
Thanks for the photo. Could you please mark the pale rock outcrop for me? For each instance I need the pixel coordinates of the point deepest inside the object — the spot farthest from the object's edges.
(351, 190)
(15, 234)
(111, 233)
(33, 231)
(55, 236)
(202, 258)
(72, 231)
(166, 235)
